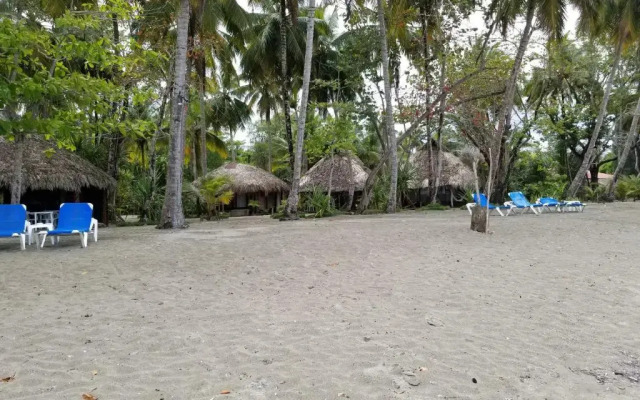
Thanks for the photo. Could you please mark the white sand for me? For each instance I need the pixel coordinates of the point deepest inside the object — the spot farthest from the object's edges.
(412, 306)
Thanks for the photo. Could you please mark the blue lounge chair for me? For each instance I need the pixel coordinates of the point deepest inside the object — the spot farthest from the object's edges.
(481, 199)
(519, 200)
(13, 222)
(561, 206)
(73, 218)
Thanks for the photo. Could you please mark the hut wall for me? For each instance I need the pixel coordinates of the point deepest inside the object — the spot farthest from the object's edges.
(46, 200)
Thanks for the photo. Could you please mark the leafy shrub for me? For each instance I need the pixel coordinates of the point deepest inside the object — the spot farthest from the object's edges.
(628, 187)
(594, 192)
(319, 203)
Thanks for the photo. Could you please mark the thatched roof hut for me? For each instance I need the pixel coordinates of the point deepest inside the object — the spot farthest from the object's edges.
(46, 167)
(249, 183)
(343, 166)
(455, 173)
(51, 176)
(249, 179)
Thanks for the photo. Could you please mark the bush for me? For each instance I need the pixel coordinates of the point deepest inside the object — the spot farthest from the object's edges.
(628, 187)
(319, 203)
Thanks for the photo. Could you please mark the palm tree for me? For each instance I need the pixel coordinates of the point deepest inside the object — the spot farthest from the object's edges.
(292, 201)
(227, 111)
(391, 133)
(632, 136)
(172, 213)
(617, 19)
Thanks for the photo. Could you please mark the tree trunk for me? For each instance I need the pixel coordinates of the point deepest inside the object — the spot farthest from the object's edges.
(331, 175)
(352, 185)
(285, 83)
(292, 202)
(201, 139)
(632, 136)
(393, 154)
(18, 176)
(438, 169)
(589, 152)
(479, 219)
(504, 122)
(269, 144)
(172, 213)
(233, 145)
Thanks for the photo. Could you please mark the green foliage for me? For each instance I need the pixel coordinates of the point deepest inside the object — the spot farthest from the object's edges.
(434, 207)
(320, 203)
(214, 192)
(535, 175)
(594, 192)
(628, 187)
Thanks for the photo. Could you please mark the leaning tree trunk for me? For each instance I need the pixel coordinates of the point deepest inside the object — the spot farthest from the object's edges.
(172, 213)
(391, 133)
(590, 151)
(284, 73)
(292, 202)
(628, 144)
(504, 122)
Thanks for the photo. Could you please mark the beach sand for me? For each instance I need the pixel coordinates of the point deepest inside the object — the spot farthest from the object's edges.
(406, 306)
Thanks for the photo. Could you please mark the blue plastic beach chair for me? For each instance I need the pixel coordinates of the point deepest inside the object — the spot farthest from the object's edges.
(521, 203)
(13, 222)
(481, 200)
(561, 206)
(74, 218)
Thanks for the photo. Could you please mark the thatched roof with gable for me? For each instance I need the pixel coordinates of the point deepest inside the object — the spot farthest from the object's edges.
(344, 165)
(249, 179)
(454, 172)
(47, 167)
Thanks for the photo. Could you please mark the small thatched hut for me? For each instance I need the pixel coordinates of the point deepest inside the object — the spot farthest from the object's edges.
(455, 179)
(338, 174)
(249, 183)
(52, 176)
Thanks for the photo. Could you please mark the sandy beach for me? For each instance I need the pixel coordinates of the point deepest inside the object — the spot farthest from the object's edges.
(408, 306)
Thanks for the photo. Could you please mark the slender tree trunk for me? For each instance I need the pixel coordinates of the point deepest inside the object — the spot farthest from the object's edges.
(438, 168)
(632, 136)
(393, 155)
(352, 186)
(172, 213)
(18, 176)
(284, 72)
(589, 152)
(504, 121)
(637, 154)
(292, 202)
(233, 145)
(201, 145)
(330, 176)
(269, 141)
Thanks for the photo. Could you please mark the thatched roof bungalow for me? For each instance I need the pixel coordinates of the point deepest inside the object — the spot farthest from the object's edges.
(456, 176)
(52, 176)
(346, 167)
(251, 183)
(338, 173)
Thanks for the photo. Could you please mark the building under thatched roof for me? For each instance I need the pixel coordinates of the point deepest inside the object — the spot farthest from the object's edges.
(251, 183)
(345, 168)
(52, 176)
(456, 176)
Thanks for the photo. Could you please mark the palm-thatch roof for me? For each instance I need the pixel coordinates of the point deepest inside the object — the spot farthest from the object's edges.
(319, 174)
(249, 179)
(454, 172)
(47, 167)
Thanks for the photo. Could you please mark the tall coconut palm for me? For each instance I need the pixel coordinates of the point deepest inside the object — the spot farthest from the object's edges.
(619, 20)
(292, 201)
(391, 133)
(172, 213)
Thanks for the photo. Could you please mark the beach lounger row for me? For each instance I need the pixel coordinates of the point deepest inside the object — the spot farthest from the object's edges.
(520, 203)
(73, 218)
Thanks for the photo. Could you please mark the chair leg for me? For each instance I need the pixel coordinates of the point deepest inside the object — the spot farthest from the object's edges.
(44, 239)
(95, 233)
(22, 241)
